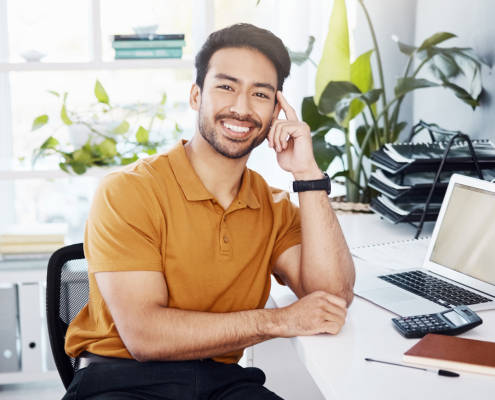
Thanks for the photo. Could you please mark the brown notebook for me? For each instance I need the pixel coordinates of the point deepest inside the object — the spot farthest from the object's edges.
(450, 352)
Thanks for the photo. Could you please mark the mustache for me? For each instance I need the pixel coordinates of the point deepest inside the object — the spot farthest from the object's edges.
(238, 118)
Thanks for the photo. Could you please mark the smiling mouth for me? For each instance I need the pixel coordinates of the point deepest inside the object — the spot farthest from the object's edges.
(237, 131)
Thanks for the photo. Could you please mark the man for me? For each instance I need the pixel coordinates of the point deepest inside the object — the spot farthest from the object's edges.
(181, 245)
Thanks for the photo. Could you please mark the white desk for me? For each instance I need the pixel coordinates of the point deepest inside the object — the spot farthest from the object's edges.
(336, 363)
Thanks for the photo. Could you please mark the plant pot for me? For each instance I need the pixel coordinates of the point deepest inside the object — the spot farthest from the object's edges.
(341, 206)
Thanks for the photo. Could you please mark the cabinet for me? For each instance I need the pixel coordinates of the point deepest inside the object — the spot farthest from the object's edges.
(23, 303)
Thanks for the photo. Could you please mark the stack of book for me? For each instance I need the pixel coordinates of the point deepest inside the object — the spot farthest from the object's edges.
(406, 171)
(31, 241)
(148, 46)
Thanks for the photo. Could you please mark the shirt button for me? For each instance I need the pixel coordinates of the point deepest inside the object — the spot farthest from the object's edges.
(225, 239)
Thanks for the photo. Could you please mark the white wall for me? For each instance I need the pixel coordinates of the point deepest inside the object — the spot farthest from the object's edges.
(472, 22)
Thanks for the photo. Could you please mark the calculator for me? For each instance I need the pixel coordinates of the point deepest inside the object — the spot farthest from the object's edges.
(449, 322)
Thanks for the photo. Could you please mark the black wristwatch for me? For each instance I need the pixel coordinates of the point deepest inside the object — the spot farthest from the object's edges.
(317, 184)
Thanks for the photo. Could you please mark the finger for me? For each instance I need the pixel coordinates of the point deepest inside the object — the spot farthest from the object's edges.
(333, 313)
(332, 327)
(290, 113)
(279, 135)
(336, 300)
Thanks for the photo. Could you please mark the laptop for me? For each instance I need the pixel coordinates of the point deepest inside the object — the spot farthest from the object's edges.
(459, 267)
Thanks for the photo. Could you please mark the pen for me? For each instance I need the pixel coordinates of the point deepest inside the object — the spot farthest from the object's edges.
(441, 372)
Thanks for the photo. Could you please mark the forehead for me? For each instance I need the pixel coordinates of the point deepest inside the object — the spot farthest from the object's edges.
(247, 65)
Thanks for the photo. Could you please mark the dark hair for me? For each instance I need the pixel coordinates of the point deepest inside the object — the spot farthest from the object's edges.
(248, 36)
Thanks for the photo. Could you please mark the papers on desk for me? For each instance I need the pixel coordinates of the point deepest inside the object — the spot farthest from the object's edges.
(394, 255)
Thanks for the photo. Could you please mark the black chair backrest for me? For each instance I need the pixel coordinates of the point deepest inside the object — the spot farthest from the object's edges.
(67, 292)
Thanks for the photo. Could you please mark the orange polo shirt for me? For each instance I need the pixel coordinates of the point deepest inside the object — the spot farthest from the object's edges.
(156, 215)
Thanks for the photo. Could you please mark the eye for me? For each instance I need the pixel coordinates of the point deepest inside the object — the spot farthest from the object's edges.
(262, 95)
(226, 87)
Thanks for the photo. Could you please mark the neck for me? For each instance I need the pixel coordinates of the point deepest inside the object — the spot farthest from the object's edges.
(220, 175)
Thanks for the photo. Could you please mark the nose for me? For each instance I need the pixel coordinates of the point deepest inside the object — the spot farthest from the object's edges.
(241, 105)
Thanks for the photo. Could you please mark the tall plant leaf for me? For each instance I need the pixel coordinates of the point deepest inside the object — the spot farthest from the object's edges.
(362, 77)
(313, 117)
(334, 92)
(435, 39)
(405, 85)
(323, 151)
(335, 62)
(299, 57)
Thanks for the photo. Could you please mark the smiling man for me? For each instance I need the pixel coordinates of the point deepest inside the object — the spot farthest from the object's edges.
(181, 246)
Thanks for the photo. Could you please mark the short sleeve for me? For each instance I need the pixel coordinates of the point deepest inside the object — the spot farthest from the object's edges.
(124, 229)
(288, 221)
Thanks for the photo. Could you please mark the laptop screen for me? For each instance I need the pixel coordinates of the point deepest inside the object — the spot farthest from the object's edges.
(466, 237)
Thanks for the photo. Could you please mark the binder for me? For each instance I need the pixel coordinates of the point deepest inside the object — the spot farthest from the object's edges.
(9, 330)
(420, 157)
(30, 326)
(403, 212)
(415, 187)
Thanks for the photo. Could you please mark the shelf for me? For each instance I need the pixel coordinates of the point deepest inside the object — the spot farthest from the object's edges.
(175, 63)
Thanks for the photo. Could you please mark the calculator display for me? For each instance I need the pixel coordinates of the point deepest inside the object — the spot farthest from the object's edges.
(455, 318)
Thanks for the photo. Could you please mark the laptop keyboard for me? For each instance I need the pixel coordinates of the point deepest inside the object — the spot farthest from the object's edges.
(434, 289)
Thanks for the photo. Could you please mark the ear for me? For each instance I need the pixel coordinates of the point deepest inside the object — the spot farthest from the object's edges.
(195, 97)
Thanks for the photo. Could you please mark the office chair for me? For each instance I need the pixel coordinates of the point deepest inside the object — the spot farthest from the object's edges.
(67, 292)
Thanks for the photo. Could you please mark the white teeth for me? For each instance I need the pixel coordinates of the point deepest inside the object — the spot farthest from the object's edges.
(240, 129)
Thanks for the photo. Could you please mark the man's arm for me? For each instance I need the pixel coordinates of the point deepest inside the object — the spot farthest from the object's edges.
(150, 330)
(323, 261)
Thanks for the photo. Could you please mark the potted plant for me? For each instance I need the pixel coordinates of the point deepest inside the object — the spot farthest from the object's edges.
(345, 91)
(105, 134)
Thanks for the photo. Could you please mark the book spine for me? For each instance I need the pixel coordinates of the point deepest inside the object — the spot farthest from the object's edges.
(147, 44)
(173, 36)
(173, 52)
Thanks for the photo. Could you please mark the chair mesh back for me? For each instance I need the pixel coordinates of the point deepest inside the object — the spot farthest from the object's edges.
(74, 291)
(66, 293)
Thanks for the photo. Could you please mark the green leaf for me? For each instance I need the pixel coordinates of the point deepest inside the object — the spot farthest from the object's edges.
(335, 64)
(312, 116)
(323, 151)
(57, 94)
(435, 39)
(50, 143)
(39, 121)
(108, 148)
(65, 97)
(164, 99)
(462, 94)
(299, 57)
(100, 93)
(78, 167)
(178, 129)
(406, 85)
(82, 156)
(333, 93)
(122, 128)
(160, 115)
(142, 135)
(404, 48)
(128, 160)
(63, 167)
(64, 116)
(398, 129)
(361, 74)
(443, 65)
(151, 151)
(362, 77)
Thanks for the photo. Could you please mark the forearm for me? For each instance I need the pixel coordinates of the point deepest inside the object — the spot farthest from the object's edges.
(173, 334)
(325, 258)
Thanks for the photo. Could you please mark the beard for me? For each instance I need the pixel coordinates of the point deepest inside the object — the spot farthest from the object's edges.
(241, 147)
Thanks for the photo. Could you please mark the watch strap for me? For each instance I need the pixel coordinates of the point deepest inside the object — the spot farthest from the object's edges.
(317, 184)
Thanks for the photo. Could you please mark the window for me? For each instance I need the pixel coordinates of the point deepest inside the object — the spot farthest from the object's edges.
(75, 37)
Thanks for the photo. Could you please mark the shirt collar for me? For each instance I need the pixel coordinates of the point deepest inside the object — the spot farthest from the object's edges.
(193, 188)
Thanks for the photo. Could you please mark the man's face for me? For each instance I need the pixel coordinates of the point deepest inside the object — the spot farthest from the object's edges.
(237, 103)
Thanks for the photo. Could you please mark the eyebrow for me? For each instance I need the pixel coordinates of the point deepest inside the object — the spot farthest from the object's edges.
(257, 84)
